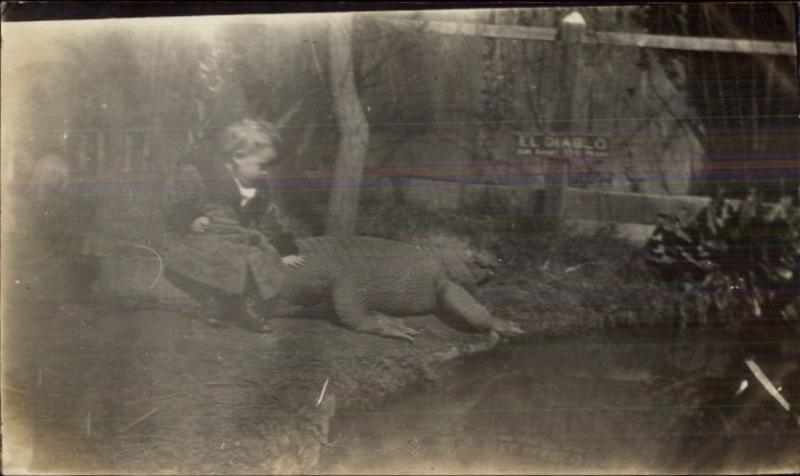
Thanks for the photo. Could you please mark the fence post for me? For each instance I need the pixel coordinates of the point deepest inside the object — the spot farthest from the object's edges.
(555, 190)
(570, 34)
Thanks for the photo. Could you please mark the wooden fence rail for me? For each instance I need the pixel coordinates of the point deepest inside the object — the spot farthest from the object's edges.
(640, 40)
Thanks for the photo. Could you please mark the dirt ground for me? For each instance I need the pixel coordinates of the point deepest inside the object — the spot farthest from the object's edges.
(109, 386)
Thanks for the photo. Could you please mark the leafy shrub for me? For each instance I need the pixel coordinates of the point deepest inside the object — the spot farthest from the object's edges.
(736, 262)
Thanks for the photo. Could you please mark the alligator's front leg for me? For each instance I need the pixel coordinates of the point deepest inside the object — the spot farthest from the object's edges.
(456, 300)
(348, 301)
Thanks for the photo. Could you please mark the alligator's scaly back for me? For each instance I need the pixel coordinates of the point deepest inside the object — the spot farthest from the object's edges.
(455, 256)
(345, 248)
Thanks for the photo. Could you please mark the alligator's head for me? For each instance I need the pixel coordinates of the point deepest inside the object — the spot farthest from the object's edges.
(464, 265)
(482, 265)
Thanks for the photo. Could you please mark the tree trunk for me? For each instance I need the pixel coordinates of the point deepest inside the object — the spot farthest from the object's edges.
(353, 130)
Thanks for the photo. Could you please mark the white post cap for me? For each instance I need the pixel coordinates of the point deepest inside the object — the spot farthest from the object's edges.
(574, 18)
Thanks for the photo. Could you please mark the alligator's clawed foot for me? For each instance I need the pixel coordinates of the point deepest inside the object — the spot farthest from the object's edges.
(507, 329)
(256, 327)
(407, 330)
(396, 334)
(389, 327)
(211, 322)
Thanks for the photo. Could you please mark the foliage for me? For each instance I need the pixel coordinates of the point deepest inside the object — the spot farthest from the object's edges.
(736, 262)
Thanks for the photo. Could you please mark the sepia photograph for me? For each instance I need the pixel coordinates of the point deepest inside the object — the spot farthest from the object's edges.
(400, 238)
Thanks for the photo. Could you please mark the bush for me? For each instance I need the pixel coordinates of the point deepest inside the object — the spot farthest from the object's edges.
(736, 262)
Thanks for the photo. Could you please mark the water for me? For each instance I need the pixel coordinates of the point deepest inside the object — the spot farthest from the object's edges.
(569, 406)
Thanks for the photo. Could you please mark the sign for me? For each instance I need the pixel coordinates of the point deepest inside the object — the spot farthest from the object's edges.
(571, 146)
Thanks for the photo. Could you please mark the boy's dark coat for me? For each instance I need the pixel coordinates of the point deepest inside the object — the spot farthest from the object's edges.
(239, 240)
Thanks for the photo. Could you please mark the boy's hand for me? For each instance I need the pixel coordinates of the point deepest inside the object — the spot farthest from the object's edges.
(293, 261)
(200, 224)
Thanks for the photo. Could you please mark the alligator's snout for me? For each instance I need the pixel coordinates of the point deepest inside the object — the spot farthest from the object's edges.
(485, 277)
(484, 268)
(486, 260)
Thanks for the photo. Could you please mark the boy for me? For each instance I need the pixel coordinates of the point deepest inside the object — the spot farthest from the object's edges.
(233, 236)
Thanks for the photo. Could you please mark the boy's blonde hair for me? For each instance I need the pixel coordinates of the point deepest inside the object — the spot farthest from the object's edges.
(249, 135)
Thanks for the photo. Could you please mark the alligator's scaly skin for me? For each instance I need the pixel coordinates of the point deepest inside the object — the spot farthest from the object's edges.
(371, 279)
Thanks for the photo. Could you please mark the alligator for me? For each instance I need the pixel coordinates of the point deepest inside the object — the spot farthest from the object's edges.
(372, 282)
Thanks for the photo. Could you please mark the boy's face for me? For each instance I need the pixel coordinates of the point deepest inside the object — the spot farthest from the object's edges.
(251, 164)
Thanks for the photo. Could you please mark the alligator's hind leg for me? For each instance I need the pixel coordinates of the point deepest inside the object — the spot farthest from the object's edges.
(353, 313)
(456, 300)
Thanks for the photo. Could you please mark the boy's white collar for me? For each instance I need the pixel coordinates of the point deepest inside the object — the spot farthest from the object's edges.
(247, 193)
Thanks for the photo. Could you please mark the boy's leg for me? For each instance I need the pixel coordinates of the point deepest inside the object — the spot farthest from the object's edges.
(247, 310)
(241, 311)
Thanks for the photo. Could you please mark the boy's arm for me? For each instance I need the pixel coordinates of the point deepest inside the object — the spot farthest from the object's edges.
(285, 244)
(277, 226)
